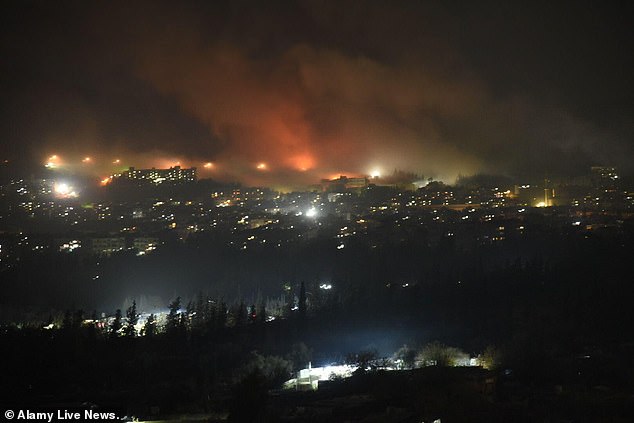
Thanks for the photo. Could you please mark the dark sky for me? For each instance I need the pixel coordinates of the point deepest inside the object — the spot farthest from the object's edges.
(317, 88)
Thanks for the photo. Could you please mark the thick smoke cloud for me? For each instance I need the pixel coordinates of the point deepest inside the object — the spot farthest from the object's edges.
(311, 89)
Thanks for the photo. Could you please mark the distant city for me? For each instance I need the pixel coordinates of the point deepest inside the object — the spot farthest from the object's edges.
(142, 211)
(41, 213)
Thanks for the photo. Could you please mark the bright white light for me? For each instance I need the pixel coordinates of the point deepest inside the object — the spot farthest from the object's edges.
(325, 286)
(340, 247)
(375, 173)
(311, 212)
(64, 190)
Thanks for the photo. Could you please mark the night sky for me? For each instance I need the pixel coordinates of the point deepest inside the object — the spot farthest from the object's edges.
(314, 89)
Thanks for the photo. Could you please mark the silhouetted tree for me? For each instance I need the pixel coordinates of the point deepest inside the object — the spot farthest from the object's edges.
(92, 327)
(300, 355)
(438, 354)
(78, 318)
(406, 356)
(200, 313)
(190, 312)
(173, 318)
(222, 315)
(240, 315)
(116, 324)
(132, 319)
(364, 360)
(262, 313)
(491, 358)
(149, 329)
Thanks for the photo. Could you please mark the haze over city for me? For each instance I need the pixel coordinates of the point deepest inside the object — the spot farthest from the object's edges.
(314, 89)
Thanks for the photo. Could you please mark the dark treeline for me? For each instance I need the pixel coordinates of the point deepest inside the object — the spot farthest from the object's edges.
(542, 313)
(555, 304)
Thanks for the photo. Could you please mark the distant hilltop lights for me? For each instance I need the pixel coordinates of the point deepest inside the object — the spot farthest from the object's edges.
(113, 168)
(55, 161)
(110, 168)
(174, 174)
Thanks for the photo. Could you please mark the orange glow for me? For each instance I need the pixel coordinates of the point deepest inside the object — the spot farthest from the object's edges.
(302, 162)
(208, 165)
(262, 166)
(87, 160)
(334, 176)
(106, 181)
(52, 162)
(117, 161)
(162, 163)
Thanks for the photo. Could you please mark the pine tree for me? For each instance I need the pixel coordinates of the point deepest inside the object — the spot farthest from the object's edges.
(222, 315)
(188, 321)
(240, 315)
(116, 324)
(198, 320)
(78, 318)
(67, 323)
(92, 327)
(132, 319)
(149, 329)
(173, 318)
(262, 312)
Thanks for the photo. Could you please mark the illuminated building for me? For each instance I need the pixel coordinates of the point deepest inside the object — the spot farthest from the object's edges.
(107, 246)
(144, 245)
(173, 175)
(604, 177)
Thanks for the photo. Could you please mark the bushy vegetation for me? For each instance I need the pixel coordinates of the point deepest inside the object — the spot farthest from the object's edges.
(438, 354)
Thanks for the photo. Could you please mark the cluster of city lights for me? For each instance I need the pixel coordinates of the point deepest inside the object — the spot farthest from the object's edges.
(302, 163)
